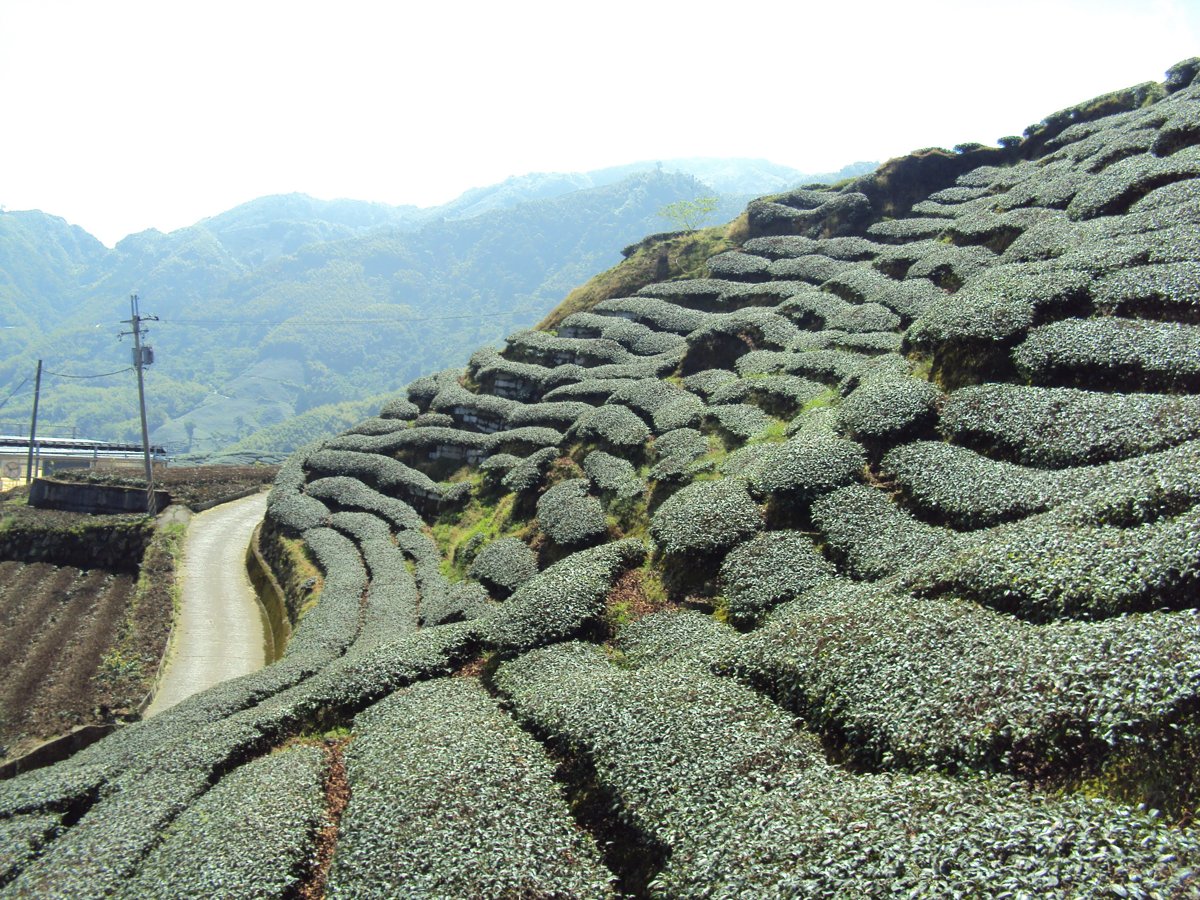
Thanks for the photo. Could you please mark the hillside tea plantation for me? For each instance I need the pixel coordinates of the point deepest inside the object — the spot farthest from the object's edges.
(866, 565)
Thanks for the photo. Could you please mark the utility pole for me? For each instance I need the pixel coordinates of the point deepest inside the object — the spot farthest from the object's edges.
(142, 357)
(37, 393)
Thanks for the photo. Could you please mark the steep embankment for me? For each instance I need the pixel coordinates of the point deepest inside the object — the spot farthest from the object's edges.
(866, 565)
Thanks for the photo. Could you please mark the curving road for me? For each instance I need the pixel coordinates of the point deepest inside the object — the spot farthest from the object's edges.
(219, 634)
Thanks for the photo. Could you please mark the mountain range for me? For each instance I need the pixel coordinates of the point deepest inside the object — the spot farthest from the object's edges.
(288, 306)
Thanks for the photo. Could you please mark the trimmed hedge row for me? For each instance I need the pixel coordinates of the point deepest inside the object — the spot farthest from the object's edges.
(399, 408)
(872, 537)
(387, 475)
(378, 425)
(707, 381)
(422, 391)
(646, 396)
(830, 366)
(590, 391)
(562, 601)
(804, 468)
(569, 516)
(527, 475)
(390, 607)
(660, 315)
(484, 412)
(694, 292)
(453, 441)
(1000, 304)
(294, 512)
(984, 226)
(685, 411)
(142, 776)
(431, 420)
(812, 268)
(462, 601)
(888, 409)
(344, 492)
(782, 246)
(435, 592)
(738, 266)
(614, 427)
(948, 265)
(325, 631)
(970, 491)
(102, 851)
(1173, 288)
(820, 311)
(696, 762)
(635, 337)
(1031, 695)
(250, 836)
(543, 348)
(287, 504)
(613, 475)
(504, 565)
(778, 395)
(1115, 188)
(1129, 353)
(677, 450)
(450, 798)
(916, 228)
(502, 377)
(740, 421)
(22, 838)
(770, 569)
(559, 415)
(1060, 427)
(676, 636)
(1070, 562)
(705, 518)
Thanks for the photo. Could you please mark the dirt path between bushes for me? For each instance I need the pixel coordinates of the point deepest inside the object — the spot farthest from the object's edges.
(220, 631)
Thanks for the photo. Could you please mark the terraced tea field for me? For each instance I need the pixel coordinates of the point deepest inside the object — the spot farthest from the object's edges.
(866, 566)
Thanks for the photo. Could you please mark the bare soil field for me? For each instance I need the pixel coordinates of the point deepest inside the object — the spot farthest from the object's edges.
(60, 666)
(82, 647)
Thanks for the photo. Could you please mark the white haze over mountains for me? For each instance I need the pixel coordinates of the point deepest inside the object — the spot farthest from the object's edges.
(133, 114)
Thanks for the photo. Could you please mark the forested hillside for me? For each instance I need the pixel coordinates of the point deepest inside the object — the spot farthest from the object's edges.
(286, 305)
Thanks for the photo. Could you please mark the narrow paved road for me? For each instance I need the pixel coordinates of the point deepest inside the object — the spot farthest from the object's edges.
(219, 634)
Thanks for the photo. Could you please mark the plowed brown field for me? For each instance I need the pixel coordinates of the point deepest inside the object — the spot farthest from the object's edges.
(58, 627)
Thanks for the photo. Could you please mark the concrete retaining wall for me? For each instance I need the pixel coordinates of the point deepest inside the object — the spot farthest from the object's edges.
(102, 499)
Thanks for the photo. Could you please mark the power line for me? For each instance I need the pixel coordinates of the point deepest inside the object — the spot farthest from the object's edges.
(392, 321)
(104, 375)
(24, 381)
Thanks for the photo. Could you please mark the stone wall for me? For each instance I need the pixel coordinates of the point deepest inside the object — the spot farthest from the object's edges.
(116, 546)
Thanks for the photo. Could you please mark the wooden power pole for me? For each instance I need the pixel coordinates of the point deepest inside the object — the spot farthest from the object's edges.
(142, 357)
(37, 393)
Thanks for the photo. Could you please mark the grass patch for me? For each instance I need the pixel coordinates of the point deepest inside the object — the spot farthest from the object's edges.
(657, 258)
(774, 433)
(630, 517)
(637, 594)
(460, 534)
(302, 579)
(127, 667)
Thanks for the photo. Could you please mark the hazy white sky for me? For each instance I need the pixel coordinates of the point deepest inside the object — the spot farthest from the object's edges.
(123, 115)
